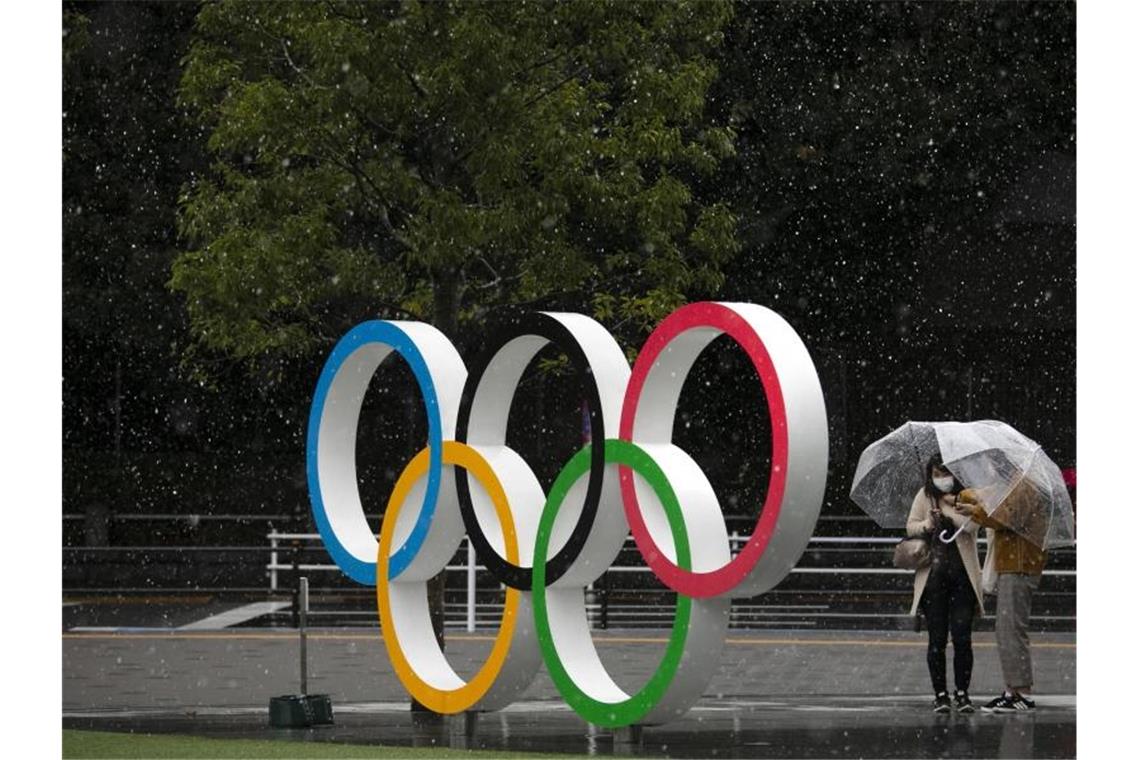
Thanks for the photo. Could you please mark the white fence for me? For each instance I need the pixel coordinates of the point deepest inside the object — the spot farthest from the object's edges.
(470, 567)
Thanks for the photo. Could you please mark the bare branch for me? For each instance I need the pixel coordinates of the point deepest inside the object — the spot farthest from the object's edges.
(300, 72)
(486, 130)
(559, 85)
(544, 62)
(372, 122)
(333, 10)
(414, 82)
(365, 183)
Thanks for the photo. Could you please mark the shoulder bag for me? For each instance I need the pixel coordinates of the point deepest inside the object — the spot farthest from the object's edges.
(912, 553)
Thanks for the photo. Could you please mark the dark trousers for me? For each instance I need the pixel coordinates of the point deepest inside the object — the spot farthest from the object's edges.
(948, 604)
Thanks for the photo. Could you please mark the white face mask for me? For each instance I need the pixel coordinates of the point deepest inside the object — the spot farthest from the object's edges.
(944, 484)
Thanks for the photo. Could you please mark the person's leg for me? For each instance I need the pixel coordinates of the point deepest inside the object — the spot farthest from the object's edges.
(1027, 584)
(1015, 593)
(936, 603)
(962, 609)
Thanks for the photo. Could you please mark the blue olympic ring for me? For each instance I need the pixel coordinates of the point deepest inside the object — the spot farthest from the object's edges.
(390, 335)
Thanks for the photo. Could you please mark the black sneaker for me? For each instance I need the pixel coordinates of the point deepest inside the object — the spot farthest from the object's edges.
(962, 702)
(942, 702)
(1010, 703)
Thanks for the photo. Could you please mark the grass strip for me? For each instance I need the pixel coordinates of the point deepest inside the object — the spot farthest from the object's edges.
(105, 744)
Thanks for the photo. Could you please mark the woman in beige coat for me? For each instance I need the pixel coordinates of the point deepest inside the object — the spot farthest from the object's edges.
(949, 589)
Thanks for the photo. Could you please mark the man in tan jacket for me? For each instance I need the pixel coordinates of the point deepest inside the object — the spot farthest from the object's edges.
(1019, 563)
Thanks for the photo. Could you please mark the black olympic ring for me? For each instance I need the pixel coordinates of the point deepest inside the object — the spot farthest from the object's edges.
(504, 360)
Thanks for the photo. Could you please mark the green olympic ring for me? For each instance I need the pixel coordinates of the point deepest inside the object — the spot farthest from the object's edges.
(635, 708)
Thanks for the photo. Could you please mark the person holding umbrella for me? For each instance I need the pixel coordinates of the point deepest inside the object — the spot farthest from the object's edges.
(1019, 564)
(1010, 485)
(949, 589)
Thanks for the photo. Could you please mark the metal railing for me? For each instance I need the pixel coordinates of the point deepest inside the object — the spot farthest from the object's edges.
(839, 579)
(603, 609)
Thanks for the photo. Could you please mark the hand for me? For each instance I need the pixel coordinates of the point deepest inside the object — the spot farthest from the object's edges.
(936, 519)
(968, 496)
(964, 508)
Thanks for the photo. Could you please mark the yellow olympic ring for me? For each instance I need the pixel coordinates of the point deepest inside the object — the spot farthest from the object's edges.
(437, 697)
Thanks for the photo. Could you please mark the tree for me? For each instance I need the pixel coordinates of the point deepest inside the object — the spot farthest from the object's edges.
(870, 133)
(138, 435)
(439, 159)
(124, 157)
(879, 146)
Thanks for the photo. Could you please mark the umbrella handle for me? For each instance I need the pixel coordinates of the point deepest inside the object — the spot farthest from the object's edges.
(942, 535)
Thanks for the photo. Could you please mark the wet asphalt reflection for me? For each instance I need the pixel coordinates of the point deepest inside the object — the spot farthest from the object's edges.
(818, 727)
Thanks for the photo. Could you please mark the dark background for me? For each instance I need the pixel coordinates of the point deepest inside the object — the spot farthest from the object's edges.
(905, 179)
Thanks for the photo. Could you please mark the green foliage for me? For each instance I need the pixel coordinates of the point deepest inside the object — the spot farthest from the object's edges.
(76, 35)
(443, 158)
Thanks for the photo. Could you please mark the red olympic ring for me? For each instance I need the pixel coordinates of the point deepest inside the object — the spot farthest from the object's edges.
(695, 316)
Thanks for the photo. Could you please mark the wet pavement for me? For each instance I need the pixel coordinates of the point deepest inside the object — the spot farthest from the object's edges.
(812, 727)
(777, 694)
(151, 668)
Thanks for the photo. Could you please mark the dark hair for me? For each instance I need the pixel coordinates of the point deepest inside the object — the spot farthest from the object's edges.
(928, 484)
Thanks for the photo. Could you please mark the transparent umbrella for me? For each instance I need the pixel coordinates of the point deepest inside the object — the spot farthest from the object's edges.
(892, 469)
(1017, 484)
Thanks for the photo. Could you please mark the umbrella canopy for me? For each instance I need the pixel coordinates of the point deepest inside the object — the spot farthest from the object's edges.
(1018, 485)
(1015, 481)
(892, 469)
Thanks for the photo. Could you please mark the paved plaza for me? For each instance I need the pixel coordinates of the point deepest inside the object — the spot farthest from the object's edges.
(776, 694)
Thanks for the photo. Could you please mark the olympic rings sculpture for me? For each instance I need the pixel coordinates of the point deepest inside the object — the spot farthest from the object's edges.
(545, 548)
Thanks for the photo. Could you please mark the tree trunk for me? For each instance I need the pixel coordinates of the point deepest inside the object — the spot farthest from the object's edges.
(97, 516)
(445, 302)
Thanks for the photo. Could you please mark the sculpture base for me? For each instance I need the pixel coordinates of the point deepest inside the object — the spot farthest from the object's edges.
(300, 711)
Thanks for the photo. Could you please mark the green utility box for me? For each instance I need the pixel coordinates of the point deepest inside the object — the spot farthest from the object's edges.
(300, 711)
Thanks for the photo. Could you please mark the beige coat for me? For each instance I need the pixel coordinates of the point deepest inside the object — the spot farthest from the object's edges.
(920, 522)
